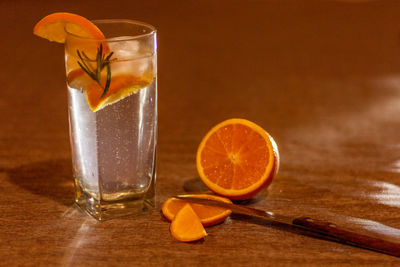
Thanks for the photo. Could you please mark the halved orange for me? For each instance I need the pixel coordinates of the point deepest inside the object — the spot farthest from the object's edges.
(237, 159)
(208, 215)
(187, 226)
(52, 27)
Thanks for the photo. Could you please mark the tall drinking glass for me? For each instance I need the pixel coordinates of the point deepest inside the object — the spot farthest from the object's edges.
(112, 89)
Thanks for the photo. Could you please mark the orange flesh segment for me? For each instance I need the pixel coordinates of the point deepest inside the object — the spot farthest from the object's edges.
(241, 155)
(208, 215)
(52, 27)
(187, 226)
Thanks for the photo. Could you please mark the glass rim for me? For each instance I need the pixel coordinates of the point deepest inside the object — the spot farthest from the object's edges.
(118, 38)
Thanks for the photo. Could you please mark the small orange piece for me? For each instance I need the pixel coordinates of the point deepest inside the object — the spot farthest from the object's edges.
(237, 159)
(208, 215)
(52, 27)
(75, 79)
(187, 226)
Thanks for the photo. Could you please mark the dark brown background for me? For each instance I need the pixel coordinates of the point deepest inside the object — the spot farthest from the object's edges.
(321, 76)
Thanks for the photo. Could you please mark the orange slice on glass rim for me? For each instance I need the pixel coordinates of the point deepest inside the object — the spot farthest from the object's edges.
(208, 215)
(237, 159)
(186, 226)
(52, 27)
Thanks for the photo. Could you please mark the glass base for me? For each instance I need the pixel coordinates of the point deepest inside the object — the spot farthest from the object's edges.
(105, 210)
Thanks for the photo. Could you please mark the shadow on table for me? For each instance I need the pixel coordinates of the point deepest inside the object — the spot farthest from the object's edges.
(196, 186)
(52, 179)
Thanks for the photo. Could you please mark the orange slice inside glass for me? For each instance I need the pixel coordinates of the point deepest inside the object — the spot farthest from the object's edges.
(237, 159)
(208, 215)
(121, 86)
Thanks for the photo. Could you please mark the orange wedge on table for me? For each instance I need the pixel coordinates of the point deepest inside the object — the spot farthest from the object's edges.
(187, 226)
(208, 215)
(237, 159)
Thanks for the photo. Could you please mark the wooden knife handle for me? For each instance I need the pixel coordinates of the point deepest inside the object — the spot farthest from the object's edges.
(333, 233)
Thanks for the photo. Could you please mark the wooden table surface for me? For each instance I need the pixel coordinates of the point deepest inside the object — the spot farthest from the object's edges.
(322, 77)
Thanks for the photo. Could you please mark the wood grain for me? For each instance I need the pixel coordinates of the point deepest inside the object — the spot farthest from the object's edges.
(322, 77)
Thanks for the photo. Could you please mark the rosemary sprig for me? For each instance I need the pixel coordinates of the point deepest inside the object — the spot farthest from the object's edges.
(102, 61)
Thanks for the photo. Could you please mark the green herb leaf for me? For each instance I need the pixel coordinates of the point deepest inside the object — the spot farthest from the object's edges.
(102, 60)
(108, 80)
